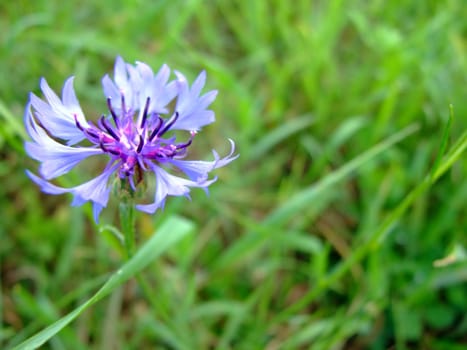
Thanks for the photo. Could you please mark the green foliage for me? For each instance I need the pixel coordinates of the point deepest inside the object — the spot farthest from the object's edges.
(168, 234)
(341, 226)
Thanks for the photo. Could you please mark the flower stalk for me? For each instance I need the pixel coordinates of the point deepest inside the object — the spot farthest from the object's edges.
(127, 222)
(128, 226)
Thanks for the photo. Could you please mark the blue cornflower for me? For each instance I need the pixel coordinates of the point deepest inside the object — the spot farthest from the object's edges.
(132, 134)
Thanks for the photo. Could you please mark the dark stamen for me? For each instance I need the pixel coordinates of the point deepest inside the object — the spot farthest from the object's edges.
(89, 132)
(169, 124)
(123, 106)
(156, 129)
(92, 133)
(77, 123)
(112, 111)
(109, 150)
(145, 113)
(107, 127)
(140, 145)
(186, 144)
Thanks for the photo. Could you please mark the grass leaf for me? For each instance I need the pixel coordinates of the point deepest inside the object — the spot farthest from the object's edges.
(171, 231)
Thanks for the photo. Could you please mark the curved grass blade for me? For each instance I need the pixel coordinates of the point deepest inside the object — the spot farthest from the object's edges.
(444, 141)
(278, 135)
(301, 199)
(382, 231)
(11, 128)
(171, 231)
(297, 202)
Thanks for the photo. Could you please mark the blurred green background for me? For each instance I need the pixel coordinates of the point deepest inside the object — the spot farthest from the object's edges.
(304, 88)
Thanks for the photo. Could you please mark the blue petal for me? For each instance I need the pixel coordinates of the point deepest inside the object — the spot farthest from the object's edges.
(169, 185)
(120, 74)
(56, 158)
(95, 190)
(123, 83)
(71, 103)
(46, 186)
(198, 170)
(156, 88)
(145, 71)
(96, 210)
(57, 117)
(51, 97)
(191, 107)
(111, 90)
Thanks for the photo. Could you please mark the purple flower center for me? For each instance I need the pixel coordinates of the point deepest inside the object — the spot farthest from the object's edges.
(133, 144)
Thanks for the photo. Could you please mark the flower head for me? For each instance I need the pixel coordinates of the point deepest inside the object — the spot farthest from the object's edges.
(134, 134)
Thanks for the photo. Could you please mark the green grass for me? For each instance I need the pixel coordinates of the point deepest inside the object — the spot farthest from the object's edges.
(341, 226)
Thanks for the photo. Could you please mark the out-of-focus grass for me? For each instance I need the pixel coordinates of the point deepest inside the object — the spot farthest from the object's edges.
(304, 88)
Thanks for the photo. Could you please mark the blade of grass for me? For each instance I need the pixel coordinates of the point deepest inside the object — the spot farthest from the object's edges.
(278, 217)
(300, 200)
(452, 155)
(381, 233)
(444, 141)
(279, 134)
(171, 231)
(11, 128)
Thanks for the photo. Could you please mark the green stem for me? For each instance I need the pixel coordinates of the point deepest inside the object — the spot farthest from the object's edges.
(127, 221)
